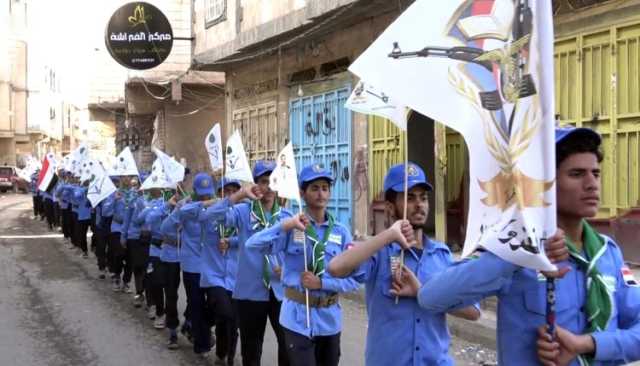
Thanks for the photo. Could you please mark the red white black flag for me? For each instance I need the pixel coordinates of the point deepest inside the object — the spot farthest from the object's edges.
(47, 178)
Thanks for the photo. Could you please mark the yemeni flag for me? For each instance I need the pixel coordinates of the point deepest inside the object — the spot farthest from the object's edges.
(47, 178)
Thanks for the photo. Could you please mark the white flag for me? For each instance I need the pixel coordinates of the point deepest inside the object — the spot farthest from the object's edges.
(213, 143)
(157, 178)
(368, 100)
(89, 168)
(173, 170)
(479, 71)
(100, 186)
(125, 163)
(77, 158)
(236, 163)
(284, 178)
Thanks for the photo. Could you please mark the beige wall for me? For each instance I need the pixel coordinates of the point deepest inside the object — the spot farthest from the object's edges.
(181, 133)
(349, 42)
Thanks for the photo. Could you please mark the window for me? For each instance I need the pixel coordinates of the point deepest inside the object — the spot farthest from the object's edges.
(215, 11)
(258, 126)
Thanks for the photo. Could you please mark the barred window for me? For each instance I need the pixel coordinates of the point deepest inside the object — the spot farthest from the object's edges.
(215, 11)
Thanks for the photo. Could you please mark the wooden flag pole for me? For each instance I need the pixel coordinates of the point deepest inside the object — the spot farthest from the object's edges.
(406, 195)
(306, 290)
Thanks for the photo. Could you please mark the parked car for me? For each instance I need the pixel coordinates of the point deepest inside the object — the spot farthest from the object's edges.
(9, 180)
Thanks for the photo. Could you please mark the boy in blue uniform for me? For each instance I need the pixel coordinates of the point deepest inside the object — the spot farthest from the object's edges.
(137, 249)
(83, 217)
(318, 344)
(597, 311)
(423, 337)
(168, 271)
(192, 240)
(120, 264)
(258, 290)
(218, 277)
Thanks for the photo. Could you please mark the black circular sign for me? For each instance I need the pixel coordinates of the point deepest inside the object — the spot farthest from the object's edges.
(139, 36)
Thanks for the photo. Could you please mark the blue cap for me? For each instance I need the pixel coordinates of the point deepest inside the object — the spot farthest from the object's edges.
(203, 184)
(263, 167)
(312, 172)
(143, 176)
(394, 180)
(227, 181)
(563, 133)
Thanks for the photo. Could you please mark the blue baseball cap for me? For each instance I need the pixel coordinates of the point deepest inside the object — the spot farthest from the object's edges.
(394, 180)
(203, 184)
(226, 181)
(312, 172)
(562, 133)
(263, 167)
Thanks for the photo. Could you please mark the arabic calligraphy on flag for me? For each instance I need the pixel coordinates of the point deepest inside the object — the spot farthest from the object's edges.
(485, 69)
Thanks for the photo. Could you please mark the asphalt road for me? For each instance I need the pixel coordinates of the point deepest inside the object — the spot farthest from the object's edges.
(55, 311)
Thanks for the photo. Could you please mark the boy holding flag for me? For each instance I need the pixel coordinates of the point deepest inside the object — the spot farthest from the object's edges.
(324, 238)
(257, 290)
(377, 261)
(597, 311)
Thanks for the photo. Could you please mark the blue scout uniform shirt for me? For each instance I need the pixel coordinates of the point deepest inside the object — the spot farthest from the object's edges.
(325, 321)
(522, 305)
(45, 195)
(59, 192)
(81, 203)
(425, 334)
(134, 222)
(217, 269)
(119, 211)
(249, 282)
(152, 216)
(169, 230)
(191, 236)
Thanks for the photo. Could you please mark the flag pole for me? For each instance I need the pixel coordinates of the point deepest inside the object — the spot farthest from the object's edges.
(406, 195)
(304, 252)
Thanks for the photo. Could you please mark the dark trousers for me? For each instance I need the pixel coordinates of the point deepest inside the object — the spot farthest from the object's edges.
(153, 286)
(66, 222)
(138, 258)
(200, 324)
(225, 312)
(81, 228)
(169, 276)
(316, 351)
(56, 214)
(35, 205)
(48, 212)
(72, 225)
(94, 238)
(102, 239)
(253, 322)
(119, 261)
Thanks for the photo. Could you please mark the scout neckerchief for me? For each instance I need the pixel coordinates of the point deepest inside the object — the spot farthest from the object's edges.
(257, 213)
(599, 296)
(317, 255)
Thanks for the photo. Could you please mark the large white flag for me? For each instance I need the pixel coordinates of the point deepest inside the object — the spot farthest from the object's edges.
(369, 100)
(484, 68)
(157, 178)
(213, 143)
(77, 158)
(236, 163)
(125, 163)
(284, 178)
(90, 167)
(100, 185)
(173, 170)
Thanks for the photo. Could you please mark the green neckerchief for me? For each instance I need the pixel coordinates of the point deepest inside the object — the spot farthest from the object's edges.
(257, 212)
(317, 256)
(599, 297)
(226, 233)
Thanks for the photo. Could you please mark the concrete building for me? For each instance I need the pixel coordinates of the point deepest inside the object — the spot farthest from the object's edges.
(14, 139)
(286, 79)
(170, 106)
